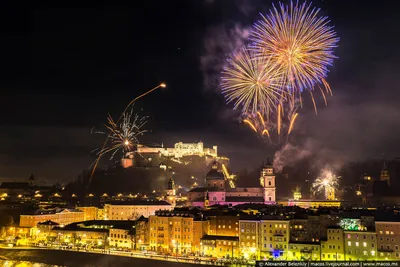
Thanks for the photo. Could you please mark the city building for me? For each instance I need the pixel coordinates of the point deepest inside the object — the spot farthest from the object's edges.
(303, 251)
(226, 247)
(388, 240)
(249, 239)
(217, 191)
(121, 236)
(274, 236)
(90, 213)
(360, 245)
(223, 224)
(201, 228)
(60, 216)
(172, 231)
(131, 210)
(333, 247)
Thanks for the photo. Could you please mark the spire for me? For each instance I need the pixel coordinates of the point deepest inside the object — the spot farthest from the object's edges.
(385, 177)
(171, 183)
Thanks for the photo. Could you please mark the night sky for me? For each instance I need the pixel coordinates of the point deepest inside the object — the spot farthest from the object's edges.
(64, 69)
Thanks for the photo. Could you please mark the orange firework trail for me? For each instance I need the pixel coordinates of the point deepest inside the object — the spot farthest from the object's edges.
(261, 117)
(323, 95)
(279, 121)
(294, 117)
(251, 125)
(265, 131)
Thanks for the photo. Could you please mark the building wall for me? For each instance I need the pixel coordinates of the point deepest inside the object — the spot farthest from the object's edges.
(62, 218)
(119, 238)
(131, 212)
(333, 248)
(200, 229)
(249, 238)
(89, 213)
(360, 246)
(299, 230)
(388, 239)
(303, 251)
(274, 238)
(224, 225)
(220, 248)
(171, 234)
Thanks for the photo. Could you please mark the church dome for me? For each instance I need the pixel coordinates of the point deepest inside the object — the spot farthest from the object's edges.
(214, 173)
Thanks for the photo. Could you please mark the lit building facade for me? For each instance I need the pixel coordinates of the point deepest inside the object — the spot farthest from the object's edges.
(200, 228)
(62, 217)
(224, 225)
(274, 239)
(131, 210)
(360, 245)
(388, 240)
(249, 238)
(220, 246)
(303, 251)
(120, 237)
(89, 213)
(333, 247)
(171, 232)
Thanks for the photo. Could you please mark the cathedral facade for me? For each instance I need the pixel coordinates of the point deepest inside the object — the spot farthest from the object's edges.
(217, 191)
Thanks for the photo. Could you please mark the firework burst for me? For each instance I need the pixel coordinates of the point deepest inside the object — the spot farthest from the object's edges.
(300, 42)
(328, 182)
(254, 84)
(278, 126)
(123, 136)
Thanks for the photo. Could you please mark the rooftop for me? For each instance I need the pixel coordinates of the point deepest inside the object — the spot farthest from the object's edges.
(139, 202)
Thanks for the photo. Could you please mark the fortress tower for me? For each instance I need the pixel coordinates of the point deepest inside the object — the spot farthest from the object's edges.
(267, 181)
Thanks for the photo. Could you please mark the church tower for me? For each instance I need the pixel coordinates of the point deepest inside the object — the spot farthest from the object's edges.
(385, 177)
(267, 181)
(171, 192)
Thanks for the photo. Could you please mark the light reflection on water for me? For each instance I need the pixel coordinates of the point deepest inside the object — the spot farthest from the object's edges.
(7, 263)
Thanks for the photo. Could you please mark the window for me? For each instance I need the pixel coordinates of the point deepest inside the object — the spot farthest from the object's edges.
(357, 244)
(396, 247)
(364, 244)
(365, 253)
(349, 243)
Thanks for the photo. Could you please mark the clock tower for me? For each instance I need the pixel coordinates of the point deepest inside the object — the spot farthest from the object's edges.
(267, 181)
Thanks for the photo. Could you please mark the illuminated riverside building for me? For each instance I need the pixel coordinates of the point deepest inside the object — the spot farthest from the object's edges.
(360, 245)
(131, 210)
(388, 240)
(264, 238)
(171, 231)
(332, 249)
(304, 251)
(62, 217)
(220, 246)
(200, 228)
(274, 239)
(249, 238)
(224, 225)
